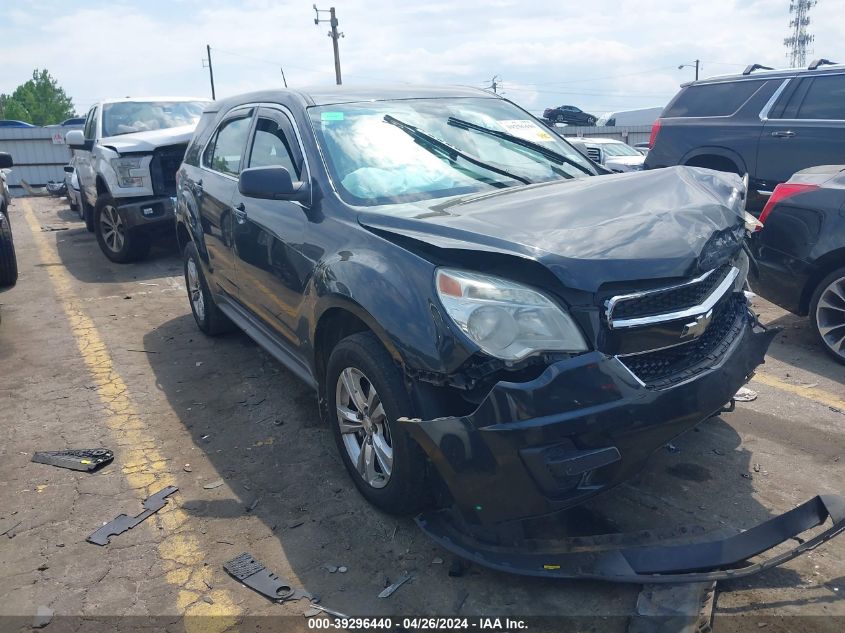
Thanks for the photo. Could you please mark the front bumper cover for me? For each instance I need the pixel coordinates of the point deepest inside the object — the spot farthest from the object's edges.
(148, 211)
(644, 557)
(581, 427)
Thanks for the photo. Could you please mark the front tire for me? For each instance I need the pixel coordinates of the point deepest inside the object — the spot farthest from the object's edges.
(827, 314)
(208, 317)
(119, 243)
(86, 213)
(8, 260)
(366, 395)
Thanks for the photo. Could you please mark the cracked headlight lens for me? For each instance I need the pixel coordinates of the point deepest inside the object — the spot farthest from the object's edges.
(506, 319)
(129, 172)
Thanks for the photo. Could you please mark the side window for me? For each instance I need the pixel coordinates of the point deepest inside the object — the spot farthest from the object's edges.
(722, 99)
(90, 128)
(271, 146)
(224, 152)
(825, 99)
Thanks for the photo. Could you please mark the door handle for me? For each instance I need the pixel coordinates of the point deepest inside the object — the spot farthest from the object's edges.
(240, 213)
(784, 134)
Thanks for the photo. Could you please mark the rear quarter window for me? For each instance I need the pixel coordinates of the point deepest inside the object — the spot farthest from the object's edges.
(201, 134)
(722, 99)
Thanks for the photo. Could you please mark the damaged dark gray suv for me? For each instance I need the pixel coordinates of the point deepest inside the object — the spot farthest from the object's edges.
(490, 326)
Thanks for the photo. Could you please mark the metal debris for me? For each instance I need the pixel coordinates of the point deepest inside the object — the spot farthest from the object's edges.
(121, 523)
(386, 593)
(213, 484)
(43, 617)
(316, 609)
(255, 576)
(75, 459)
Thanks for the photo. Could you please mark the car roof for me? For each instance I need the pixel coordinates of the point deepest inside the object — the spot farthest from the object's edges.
(154, 98)
(776, 73)
(331, 95)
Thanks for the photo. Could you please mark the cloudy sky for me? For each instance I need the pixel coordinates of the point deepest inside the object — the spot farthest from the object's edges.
(600, 55)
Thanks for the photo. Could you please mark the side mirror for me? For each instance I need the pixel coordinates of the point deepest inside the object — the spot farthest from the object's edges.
(6, 161)
(75, 139)
(68, 169)
(272, 183)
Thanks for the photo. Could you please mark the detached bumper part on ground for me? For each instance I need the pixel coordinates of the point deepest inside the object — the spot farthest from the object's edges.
(581, 427)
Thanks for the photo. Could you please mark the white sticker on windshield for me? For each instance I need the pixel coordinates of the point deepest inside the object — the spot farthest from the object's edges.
(527, 129)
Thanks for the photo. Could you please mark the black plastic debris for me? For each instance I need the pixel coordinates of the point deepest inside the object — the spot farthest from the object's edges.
(256, 576)
(76, 459)
(122, 522)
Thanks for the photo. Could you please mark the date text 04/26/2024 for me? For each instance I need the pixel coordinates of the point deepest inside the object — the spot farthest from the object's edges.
(505, 625)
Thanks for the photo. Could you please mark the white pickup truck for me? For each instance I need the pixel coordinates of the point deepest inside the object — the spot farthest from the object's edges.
(126, 159)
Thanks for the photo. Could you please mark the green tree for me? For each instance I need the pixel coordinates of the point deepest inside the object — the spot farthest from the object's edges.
(40, 101)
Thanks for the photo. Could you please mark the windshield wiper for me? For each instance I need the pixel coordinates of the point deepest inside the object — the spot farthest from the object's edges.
(545, 152)
(428, 141)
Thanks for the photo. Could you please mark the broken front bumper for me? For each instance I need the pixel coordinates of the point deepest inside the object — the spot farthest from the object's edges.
(644, 557)
(584, 425)
(148, 212)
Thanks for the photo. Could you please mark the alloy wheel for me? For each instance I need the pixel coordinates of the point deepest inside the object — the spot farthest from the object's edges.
(195, 290)
(363, 427)
(114, 233)
(830, 316)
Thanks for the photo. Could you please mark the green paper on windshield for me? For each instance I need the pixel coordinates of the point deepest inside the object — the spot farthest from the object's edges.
(331, 116)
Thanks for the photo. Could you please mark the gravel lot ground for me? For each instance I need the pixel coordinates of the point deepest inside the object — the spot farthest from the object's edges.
(98, 354)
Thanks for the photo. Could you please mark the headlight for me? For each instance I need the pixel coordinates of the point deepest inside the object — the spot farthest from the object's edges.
(506, 319)
(129, 172)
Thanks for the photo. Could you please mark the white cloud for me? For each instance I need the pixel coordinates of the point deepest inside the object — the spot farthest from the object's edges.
(600, 55)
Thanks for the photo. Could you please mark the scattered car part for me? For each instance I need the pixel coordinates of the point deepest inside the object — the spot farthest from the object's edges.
(75, 459)
(121, 523)
(389, 591)
(745, 395)
(641, 557)
(318, 607)
(214, 484)
(43, 617)
(682, 608)
(256, 576)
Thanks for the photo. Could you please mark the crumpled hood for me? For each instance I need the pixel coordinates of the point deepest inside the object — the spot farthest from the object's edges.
(671, 222)
(148, 141)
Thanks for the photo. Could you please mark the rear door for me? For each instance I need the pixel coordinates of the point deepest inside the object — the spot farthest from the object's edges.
(270, 243)
(221, 162)
(805, 130)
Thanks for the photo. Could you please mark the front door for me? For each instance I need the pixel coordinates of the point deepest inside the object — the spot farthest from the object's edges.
(222, 160)
(806, 130)
(273, 262)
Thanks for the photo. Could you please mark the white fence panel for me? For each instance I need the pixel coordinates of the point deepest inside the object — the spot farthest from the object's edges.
(631, 134)
(39, 154)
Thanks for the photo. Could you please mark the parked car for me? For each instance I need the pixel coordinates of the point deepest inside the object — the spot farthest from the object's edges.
(126, 159)
(568, 114)
(14, 123)
(72, 189)
(78, 120)
(768, 124)
(486, 324)
(8, 261)
(615, 155)
(642, 148)
(800, 252)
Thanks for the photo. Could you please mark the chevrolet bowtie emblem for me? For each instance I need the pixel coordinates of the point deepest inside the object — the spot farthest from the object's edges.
(697, 327)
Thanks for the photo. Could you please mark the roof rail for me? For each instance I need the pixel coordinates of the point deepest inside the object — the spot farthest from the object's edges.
(751, 68)
(820, 62)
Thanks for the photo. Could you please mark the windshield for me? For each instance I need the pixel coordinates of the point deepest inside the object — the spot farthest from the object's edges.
(619, 149)
(127, 117)
(390, 152)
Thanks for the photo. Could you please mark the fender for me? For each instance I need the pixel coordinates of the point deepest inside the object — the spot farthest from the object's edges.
(715, 150)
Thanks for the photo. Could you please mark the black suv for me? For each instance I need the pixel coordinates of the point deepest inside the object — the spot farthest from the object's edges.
(768, 124)
(485, 323)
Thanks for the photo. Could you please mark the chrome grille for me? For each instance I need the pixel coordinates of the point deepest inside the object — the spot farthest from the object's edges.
(594, 154)
(689, 299)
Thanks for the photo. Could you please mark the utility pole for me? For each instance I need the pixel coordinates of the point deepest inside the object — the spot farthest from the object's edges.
(332, 34)
(495, 84)
(695, 65)
(210, 69)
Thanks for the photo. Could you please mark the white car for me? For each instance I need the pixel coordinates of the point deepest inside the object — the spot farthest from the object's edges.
(72, 186)
(126, 159)
(610, 153)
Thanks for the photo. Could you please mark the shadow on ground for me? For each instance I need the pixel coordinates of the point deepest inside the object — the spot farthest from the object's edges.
(798, 345)
(257, 425)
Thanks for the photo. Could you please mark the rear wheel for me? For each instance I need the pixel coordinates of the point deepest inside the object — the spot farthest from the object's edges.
(8, 261)
(366, 395)
(116, 240)
(207, 315)
(827, 313)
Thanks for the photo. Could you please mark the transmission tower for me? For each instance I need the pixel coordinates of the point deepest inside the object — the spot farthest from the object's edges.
(799, 42)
